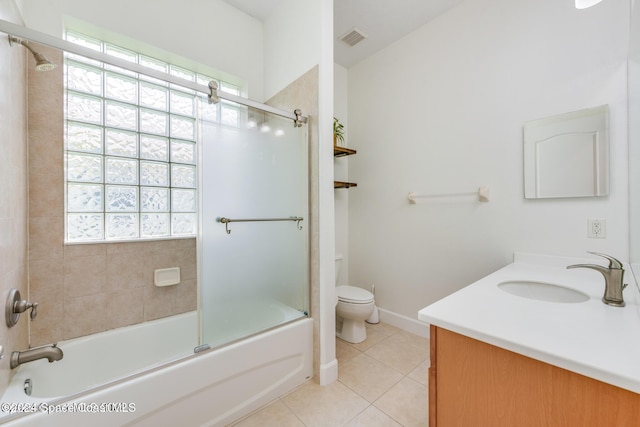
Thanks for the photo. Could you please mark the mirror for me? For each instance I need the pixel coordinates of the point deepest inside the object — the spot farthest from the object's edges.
(567, 155)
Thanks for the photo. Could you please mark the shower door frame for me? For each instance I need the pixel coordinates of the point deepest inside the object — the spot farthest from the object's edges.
(208, 339)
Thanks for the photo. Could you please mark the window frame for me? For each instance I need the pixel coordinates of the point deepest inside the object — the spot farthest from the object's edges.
(180, 159)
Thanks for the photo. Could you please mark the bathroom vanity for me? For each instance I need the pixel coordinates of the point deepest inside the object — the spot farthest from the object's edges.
(535, 356)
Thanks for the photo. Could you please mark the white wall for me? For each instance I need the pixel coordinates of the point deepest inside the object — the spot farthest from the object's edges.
(634, 140)
(341, 172)
(210, 32)
(442, 111)
(292, 40)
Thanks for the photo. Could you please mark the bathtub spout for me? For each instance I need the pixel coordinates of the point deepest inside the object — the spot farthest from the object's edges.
(51, 353)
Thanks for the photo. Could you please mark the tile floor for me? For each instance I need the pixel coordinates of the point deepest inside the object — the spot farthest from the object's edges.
(382, 382)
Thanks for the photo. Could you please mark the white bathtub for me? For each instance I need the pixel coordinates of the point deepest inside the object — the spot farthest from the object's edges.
(210, 388)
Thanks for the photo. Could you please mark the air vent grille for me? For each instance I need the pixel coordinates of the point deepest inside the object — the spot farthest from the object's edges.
(353, 37)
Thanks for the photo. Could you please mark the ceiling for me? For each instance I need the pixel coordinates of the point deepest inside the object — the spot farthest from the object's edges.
(382, 21)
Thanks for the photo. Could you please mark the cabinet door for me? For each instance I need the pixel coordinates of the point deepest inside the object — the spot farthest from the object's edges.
(477, 384)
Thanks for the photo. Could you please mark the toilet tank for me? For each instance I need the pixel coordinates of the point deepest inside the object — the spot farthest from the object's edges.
(338, 262)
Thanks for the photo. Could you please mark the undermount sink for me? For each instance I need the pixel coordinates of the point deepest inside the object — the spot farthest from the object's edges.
(542, 291)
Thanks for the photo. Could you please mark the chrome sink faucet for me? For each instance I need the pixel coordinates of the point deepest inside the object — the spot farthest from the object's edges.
(51, 353)
(613, 279)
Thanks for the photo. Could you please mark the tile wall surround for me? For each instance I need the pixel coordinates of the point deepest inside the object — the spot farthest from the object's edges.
(13, 186)
(87, 288)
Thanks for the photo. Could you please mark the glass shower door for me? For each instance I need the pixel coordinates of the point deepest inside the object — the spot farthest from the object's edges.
(254, 273)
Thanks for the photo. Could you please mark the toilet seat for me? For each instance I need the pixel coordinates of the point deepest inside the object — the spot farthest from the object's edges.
(353, 295)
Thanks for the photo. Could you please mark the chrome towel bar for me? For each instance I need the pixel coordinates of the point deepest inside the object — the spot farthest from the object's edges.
(226, 221)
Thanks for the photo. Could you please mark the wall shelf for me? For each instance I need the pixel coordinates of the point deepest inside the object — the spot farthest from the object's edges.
(342, 184)
(341, 152)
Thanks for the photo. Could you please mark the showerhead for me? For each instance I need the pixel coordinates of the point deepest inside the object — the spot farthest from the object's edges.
(42, 63)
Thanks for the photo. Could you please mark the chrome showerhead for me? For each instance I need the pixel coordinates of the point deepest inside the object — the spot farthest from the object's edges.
(42, 63)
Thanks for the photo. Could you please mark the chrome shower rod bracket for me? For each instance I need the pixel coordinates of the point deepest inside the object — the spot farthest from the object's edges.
(298, 121)
(213, 94)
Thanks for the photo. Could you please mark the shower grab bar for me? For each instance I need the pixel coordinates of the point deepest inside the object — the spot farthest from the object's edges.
(213, 92)
(226, 221)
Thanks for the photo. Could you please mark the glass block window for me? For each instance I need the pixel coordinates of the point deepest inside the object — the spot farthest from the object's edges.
(130, 147)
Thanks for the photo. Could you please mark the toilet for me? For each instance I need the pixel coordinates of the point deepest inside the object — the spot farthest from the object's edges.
(353, 306)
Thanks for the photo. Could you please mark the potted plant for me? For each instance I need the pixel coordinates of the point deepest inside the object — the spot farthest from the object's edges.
(338, 132)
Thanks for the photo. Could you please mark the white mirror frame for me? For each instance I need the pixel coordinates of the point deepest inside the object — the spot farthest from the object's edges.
(567, 155)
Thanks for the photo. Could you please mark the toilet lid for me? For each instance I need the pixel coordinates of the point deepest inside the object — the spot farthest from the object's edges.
(354, 295)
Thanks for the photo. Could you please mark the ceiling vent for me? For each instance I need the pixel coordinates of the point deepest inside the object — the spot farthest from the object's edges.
(353, 37)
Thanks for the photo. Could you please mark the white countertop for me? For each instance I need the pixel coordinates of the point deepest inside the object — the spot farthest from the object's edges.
(589, 338)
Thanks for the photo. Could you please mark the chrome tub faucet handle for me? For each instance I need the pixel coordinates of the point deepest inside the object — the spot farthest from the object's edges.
(15, 305)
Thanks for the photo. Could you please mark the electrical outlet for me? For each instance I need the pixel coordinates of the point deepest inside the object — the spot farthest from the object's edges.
(596, 228)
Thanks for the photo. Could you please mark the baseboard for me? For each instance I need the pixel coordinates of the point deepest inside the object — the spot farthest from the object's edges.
(405, 323)
(328, 372)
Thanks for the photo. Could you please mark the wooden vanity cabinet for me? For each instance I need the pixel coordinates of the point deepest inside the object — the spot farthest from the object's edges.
(475, 384)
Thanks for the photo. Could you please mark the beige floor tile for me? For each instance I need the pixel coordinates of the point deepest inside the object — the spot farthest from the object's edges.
(276, 414)
(421, 373)
(405, 338)
(407, 403)
(368, 377)
(345, 352)
(399, 354)
(373, 417)
(373, 337)
(382, 328)
(324, 406)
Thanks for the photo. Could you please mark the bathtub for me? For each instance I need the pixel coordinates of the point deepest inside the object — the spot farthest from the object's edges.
(144, 385)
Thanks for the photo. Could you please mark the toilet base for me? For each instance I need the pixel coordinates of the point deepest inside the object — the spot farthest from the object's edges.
(353, 331)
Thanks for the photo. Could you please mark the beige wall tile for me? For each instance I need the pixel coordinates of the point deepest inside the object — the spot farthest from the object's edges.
(126, 270)
(46, 285)
(186, 296)
(45, 200)
(45, 155)
(159, 302)
(125, 308)
(85, 315)
(85, 276)
(46, 280)
(45, 238)
(76, 251)
(48, 326)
